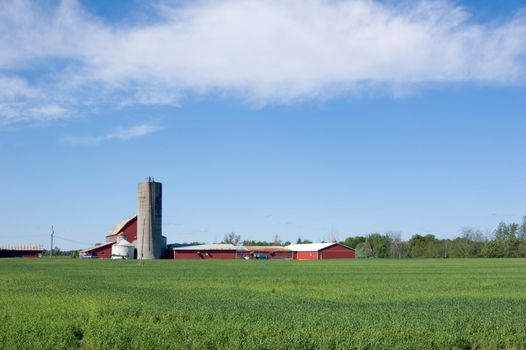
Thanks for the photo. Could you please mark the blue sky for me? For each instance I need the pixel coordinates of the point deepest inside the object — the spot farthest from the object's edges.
(308, 119)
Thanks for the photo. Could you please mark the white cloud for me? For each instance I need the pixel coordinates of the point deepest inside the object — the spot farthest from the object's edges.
(264, 51)
(117, 135)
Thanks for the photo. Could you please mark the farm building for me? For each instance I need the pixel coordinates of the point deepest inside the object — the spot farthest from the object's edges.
(147, 241)
(100, 251)
(210, 251)
(313, 251)
(320, 251)
(21, 250)
(269, 252)
(126, 228)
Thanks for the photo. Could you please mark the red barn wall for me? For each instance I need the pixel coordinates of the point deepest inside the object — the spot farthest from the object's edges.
(306, 255)
(103, 252)
(20, 253)
(337, 251)
(130, 230)
(208, 254)
(280, 255)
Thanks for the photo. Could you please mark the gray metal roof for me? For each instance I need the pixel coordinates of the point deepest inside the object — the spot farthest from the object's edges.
(220, 246)
(97, 246)
(118, 228)
(21, 246)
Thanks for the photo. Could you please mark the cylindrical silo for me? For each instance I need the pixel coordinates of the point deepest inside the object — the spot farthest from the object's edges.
(122, 250)
(149, 220)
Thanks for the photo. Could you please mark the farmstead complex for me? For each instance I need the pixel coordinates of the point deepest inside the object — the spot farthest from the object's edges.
(139, 237)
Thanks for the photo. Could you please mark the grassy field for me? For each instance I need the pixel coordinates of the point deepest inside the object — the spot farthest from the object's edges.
(388, 304)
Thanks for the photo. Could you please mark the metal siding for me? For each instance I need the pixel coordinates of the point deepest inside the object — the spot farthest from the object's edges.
(210, 254)
(130, 230)
(306, 256)
(102, 252)
(337, 251)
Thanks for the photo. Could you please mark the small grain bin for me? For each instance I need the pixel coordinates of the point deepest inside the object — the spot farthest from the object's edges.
(122, 250)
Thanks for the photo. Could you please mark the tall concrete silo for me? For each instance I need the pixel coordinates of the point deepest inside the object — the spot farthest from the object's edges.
(149, 220)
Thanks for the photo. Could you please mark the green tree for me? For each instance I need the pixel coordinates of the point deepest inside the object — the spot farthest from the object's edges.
(424, 246)
(522, 229)
(508, 235)
(353, 241)
(493, 249)
(379, 245)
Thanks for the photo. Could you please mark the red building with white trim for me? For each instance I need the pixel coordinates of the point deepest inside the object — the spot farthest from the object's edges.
(312, 251)
(321, 251)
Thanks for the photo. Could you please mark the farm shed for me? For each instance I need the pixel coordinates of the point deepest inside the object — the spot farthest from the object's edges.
(320, 251)
(269, 252)
(210, 251)
(101, 251)
(21, 250)
(126, 228)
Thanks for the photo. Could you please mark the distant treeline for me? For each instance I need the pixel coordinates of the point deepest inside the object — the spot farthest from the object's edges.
(507, 241)
(58, 252)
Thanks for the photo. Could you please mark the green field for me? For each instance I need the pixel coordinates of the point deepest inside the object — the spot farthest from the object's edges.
(234, 304)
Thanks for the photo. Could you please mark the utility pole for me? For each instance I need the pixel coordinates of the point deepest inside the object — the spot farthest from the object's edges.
(52, 235)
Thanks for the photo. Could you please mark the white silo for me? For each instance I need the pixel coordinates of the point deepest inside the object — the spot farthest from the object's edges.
(149, 220)
(122, 250)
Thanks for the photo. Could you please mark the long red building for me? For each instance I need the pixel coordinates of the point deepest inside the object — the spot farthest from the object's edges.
(210, 251)
(312, 251)
(21, 250)
(321, 251)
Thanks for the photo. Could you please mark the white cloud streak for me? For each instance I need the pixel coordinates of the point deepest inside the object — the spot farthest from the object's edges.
(262, 51)
(117, 135)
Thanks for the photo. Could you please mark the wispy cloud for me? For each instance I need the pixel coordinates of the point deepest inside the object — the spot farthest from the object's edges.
(117, 135)
(262, 51)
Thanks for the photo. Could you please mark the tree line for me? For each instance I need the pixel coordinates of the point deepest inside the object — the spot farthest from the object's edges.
(507, 241)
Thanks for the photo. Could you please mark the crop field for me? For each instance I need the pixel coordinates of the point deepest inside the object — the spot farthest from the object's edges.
(363, 304)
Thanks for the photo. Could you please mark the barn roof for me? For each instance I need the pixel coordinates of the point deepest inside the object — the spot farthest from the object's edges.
(118, 228)
(309, 247)
(267, 248)
(97, 246)
(220, 246)
(22, 247)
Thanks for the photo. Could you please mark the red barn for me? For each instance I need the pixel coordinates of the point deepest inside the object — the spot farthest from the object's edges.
(210, 251)
(21, 250)
(126, 228)
(269, 252)
(320, 251)
(100, 251)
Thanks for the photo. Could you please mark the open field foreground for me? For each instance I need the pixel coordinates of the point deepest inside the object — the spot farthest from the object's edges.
(388, 304)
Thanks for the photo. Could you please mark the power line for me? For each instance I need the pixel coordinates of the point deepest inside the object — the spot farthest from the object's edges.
(71, 240)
